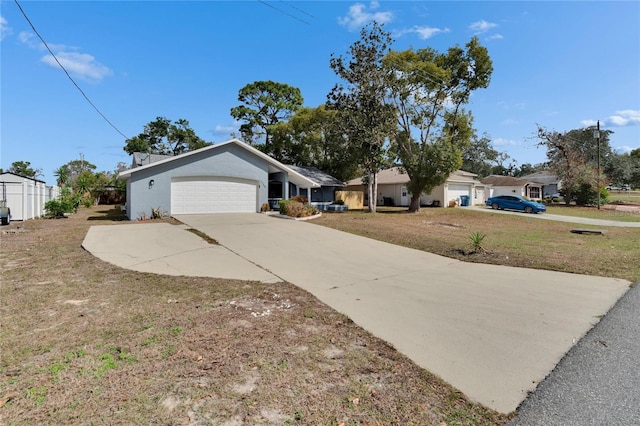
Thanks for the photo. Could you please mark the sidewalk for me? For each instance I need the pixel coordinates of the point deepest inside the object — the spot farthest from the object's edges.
(561, 218)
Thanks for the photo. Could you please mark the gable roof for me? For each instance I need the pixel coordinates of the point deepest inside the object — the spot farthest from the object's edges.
(294, 176)
(496, 180)
(14, 177)
(395, 175)
(317, 175)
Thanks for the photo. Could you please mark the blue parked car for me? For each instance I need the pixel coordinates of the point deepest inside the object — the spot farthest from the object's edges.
(515, 202)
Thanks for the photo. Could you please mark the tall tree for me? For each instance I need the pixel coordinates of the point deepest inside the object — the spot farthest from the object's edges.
(367, 119)
(265, 104)
(161, 136)
(573, 157)
(23, 168)
(429, 90)
(312, 137)
(481, 158)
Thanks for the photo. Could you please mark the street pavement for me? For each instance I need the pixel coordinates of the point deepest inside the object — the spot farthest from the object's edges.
(598, 381)
(494, 332)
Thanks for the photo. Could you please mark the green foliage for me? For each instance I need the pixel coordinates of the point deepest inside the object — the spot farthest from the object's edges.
(23, 168)
(367, 120)
(477, 240)
(164, 137)
(265, 104)
(428, 91)
(312, 137)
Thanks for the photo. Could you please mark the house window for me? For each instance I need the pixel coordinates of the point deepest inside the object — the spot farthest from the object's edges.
(534, 192)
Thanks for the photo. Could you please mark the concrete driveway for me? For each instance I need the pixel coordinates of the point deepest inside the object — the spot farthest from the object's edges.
(493, 332)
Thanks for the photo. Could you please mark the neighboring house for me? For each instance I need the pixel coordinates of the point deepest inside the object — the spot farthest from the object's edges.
(392, 189)
(228, 177)
(550, 183)
(508, 185)
(25, 196)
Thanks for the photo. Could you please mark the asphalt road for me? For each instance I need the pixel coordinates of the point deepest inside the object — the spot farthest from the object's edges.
(598, 380)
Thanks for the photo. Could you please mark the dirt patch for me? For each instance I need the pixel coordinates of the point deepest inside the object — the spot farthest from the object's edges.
(85, 342)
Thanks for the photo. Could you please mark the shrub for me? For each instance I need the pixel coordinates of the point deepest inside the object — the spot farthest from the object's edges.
(300, 198)
(477, 238)
(309, 210)
(265, 207)
(294, 208)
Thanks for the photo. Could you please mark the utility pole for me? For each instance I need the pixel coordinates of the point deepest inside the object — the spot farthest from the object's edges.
(597, 135)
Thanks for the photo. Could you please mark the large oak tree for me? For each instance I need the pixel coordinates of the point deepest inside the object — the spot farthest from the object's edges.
(429, 90)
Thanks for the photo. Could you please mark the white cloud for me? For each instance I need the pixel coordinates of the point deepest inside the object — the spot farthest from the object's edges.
(627, 117)
(227, 129)
(588, 123)
(426, 32)
(359, 15)
(503, 142)
(81, 65)
(624, 149)
(5, 29)
(482, 26)
(495, 37)
(623, 118)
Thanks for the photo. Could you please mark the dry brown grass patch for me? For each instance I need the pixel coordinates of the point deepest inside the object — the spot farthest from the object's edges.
(85, 342)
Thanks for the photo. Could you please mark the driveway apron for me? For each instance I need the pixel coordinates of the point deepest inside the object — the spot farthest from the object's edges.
(493, 332)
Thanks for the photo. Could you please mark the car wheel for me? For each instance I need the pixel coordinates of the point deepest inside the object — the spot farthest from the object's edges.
(528, 209)
(495, 206)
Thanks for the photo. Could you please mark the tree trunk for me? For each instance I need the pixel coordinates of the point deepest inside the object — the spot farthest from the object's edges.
(414, 207)
(373, 188)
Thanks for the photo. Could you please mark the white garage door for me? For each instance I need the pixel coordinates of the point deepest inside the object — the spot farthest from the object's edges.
(199, 196)
(455, 191)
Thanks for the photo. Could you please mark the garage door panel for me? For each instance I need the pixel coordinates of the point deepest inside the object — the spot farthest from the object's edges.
(455, 191)
(213, 196)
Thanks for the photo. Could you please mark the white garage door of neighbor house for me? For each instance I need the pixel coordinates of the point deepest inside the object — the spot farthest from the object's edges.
(212, 196)
(455, 191)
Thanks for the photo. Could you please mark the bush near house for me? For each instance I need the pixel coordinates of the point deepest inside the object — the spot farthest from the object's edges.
(295, 208)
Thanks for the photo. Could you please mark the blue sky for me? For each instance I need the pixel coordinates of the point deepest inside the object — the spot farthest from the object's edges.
(562, 65)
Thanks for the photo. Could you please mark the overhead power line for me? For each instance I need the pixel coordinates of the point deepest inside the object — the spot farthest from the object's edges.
(285, 12)
(66, 72)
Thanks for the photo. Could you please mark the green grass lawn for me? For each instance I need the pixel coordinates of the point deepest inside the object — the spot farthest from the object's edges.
(514, 240)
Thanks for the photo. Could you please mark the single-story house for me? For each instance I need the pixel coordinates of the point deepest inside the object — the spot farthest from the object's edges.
(228, 177)
(392, 189)
(508, 185)
(550, 183)
(25, 196)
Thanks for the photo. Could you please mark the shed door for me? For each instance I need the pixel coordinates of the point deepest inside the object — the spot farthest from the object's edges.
(213, 195)
(456, 190)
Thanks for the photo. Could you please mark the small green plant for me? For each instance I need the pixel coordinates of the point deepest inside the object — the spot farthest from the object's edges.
(55, 369)
(477, 240)
(176, 330)
(39, 394)
(108, 363)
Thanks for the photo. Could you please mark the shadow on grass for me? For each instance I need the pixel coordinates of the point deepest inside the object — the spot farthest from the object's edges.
(113, 215)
